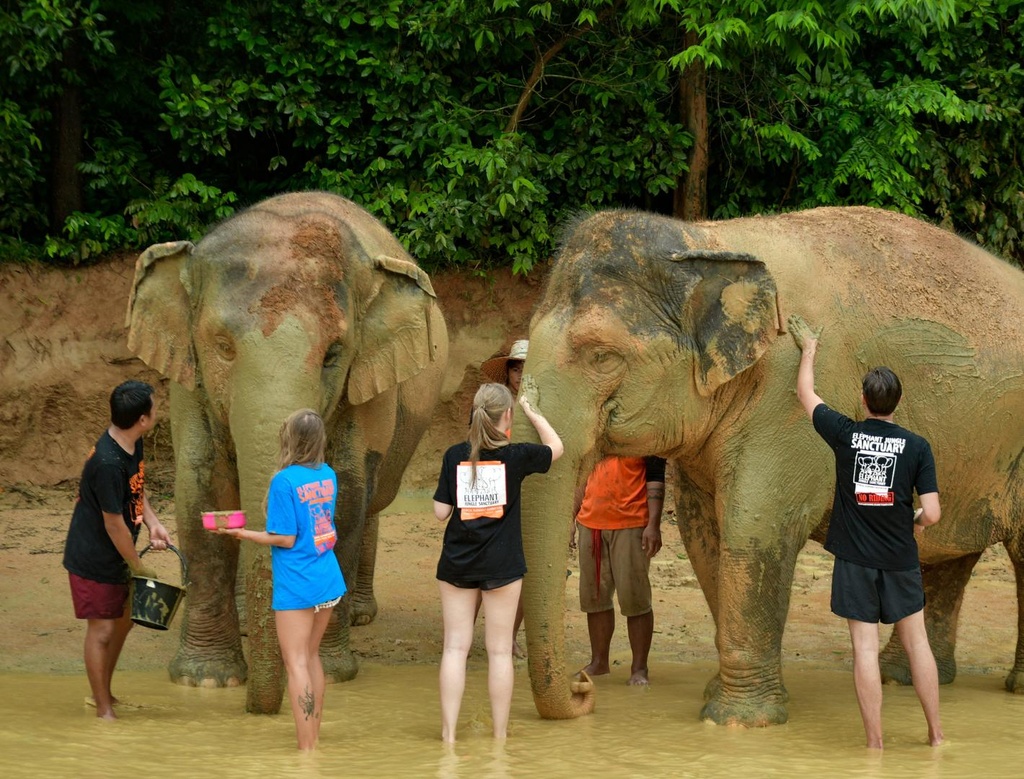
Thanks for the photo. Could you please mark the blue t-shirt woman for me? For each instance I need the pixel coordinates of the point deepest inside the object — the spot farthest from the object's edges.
(301, 503)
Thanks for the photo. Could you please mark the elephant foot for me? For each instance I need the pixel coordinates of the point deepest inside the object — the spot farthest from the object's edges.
(1015, 682)
(946, 668)
(192, 670)
(713, 690)
(339, 666)
(896, 670)
(748, 714)
(363, 611)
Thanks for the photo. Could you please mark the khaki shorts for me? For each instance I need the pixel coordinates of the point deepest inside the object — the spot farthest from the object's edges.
(624, 570)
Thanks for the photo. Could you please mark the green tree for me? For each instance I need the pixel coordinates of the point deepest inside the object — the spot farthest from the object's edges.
(472, 129)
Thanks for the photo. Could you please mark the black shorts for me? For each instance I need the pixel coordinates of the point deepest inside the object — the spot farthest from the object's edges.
(486, 584)
(874, 595)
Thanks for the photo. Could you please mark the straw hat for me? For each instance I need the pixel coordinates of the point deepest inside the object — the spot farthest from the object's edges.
(496, 368)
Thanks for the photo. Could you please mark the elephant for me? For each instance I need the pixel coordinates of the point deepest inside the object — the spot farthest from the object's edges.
(656, 336)
(302, 300)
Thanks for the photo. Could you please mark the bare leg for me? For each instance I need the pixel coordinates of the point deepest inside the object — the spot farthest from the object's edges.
(499, 617)
(923, 671)
(104, 639)
(601, 626)
(458, 611)
(122, 628)
(296, 631)
(518, 651)
(316, 669)
(867, 679)
(641, 634)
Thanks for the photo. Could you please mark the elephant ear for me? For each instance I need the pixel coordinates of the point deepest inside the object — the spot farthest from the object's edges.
(397, 339)
(158, 318)
(731, 310)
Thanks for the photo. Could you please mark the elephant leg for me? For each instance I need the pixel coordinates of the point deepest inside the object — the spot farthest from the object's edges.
(944, 585)
(363, 608)
(358, 464)
(210, 648)
(698, 529)
(1015, 679)
(755, 574)
(340, 665)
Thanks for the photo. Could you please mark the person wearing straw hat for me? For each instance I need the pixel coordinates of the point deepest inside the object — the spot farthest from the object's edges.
(507, 369)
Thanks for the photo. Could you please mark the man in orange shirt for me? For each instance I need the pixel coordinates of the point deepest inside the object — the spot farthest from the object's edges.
(621, 509)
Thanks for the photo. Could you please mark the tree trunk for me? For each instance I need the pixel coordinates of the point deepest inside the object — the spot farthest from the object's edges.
(691, 196)
(66, 192)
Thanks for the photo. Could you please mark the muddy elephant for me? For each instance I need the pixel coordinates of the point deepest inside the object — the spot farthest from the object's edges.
(303, 300)
(656, 336)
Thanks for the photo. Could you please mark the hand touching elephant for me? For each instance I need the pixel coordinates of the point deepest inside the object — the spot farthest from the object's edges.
(303, 300)
(659, 337)
(803, 334)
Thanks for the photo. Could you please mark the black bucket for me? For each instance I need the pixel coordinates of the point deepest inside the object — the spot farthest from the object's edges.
(154, 602)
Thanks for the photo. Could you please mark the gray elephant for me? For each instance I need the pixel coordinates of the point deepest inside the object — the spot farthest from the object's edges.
(656, 336)
(303, 300)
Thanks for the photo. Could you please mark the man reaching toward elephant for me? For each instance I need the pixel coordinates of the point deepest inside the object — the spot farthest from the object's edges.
(877, 575)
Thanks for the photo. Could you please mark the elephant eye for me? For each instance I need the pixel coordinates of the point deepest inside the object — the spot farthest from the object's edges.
(225, 348)
(605, 360)
(333, 356)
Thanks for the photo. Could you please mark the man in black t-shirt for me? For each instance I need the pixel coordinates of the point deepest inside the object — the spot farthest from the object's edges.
(876, 575)
(100, 547)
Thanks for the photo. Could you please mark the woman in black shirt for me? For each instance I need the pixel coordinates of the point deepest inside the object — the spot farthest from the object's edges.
(482, 556)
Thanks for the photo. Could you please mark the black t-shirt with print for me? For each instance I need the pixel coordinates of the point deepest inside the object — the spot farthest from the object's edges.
(879, 466)
(488, 542)
(112, 482)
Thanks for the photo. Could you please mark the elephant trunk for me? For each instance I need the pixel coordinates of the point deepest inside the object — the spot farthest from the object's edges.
(547, 511)
(256, 420)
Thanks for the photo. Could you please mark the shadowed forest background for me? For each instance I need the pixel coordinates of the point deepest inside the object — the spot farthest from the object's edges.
(473, 129)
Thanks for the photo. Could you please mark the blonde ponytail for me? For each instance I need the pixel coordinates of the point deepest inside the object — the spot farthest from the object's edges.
(489, 404)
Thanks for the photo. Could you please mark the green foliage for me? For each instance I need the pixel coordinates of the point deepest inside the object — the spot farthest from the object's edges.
(923, 119)
(472, 129)
(173, 211)
(407, 113)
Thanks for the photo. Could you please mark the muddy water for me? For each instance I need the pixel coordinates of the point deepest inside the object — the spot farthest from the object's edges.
(386, 723)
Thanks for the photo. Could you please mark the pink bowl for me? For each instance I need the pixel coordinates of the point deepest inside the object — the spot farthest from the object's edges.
(212, 520)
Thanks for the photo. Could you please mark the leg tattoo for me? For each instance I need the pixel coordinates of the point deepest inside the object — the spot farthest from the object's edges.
(307, 702)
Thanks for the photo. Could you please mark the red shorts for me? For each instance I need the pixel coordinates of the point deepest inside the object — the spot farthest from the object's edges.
(96, 600)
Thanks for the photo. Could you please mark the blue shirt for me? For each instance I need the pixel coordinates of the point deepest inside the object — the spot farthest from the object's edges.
(301, 504)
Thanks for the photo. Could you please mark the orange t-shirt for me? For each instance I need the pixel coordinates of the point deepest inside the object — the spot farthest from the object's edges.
(616, 496)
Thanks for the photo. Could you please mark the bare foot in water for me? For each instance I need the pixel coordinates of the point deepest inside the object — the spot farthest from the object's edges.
(596, 669)
(91, 702)
(639, 679)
